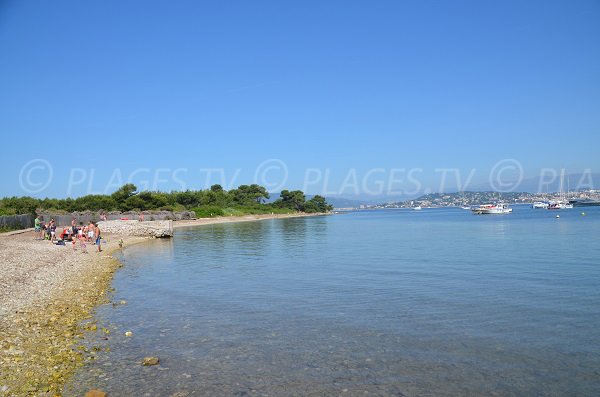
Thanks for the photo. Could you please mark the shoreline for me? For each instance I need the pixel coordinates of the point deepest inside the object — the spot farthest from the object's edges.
(237, 219)
(47, 292)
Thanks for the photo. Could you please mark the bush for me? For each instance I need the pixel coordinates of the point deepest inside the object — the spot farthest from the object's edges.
(208, 211)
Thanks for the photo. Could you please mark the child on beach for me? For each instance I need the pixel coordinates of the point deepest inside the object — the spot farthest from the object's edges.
(83, 245)
(52, 230)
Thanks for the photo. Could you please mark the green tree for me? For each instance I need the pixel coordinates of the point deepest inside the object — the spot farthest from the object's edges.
(124, 192)
(294, 199)
(317, 204)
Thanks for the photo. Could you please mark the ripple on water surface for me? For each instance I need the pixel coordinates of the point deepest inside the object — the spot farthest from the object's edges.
(435, 302)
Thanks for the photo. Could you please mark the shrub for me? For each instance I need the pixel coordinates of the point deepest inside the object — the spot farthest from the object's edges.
(208, 211)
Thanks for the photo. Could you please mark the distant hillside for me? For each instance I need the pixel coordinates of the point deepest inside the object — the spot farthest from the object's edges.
(549, 182)
(469, 199)
(340, 202)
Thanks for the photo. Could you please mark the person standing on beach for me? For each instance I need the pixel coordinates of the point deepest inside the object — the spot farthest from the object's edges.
(91, 228)
(52, 230)
(38, 228)
(97, 236)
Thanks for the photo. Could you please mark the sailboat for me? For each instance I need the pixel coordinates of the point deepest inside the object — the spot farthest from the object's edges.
(561, 203)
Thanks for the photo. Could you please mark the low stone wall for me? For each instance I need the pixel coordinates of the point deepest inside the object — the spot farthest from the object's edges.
(137, 228)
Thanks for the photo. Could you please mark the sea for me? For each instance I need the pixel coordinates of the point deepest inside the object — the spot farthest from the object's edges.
(437, 302)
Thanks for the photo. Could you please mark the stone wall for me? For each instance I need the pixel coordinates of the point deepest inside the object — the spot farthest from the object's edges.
(137, 228)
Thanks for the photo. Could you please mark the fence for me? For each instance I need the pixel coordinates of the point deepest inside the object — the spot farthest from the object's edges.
(83, 218)
(17, 221)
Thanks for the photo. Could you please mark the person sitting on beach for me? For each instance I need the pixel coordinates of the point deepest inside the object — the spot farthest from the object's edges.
(65, 235)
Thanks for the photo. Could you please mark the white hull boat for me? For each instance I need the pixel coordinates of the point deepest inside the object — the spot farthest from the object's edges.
(559, 205)
(485, 209)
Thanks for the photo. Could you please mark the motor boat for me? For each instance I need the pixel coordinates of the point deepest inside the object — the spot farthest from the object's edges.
(499, 208)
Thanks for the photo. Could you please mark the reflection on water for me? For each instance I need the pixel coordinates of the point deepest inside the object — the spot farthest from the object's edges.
(436, 302)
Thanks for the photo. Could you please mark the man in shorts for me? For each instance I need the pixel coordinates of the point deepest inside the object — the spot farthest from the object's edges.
(90, 235)
(38, 228)
(97, 236)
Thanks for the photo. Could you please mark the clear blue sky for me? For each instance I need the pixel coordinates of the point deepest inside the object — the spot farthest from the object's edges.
(338, 85)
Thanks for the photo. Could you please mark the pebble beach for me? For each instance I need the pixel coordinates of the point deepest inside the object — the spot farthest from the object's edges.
(47, 297)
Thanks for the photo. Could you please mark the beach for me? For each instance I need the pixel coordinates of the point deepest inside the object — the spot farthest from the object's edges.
(47, 292)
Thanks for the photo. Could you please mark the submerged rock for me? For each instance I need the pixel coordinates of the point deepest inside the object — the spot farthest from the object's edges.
(95, 393)
(147, 361)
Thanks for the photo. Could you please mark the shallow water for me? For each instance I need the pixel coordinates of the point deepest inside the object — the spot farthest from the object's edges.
(435, 302)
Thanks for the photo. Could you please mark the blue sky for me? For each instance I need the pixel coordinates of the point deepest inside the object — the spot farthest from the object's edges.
(160, 92)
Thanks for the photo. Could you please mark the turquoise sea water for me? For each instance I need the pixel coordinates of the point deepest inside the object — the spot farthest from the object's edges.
(437, 302)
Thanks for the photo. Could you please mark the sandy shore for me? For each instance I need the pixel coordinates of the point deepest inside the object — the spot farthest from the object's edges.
(46, 294)
(231, 219)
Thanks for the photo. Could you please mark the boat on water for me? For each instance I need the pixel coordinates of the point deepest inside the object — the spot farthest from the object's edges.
(559, 205)
(498, 208)
(585, 203)
(417, 208)
(562, 203)
(465, 208)
(540, 204)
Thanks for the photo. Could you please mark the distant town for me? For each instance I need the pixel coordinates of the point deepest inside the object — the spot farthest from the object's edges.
(468, 199)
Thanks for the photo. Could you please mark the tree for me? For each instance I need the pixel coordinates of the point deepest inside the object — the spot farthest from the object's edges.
(259, 193)
(124, 192)
(188, 199)
(249, 194)
(294, 199)
(317, 204)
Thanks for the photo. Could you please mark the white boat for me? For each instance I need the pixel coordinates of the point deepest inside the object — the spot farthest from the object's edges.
(540, 204)
(466, 208)
(559, 205)
(499, 208)
(417, 208)
(562, 203)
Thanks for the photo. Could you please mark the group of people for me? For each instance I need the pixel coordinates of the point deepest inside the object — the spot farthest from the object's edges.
(83, 234)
